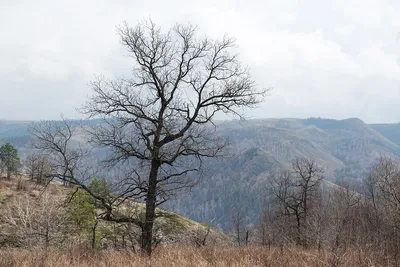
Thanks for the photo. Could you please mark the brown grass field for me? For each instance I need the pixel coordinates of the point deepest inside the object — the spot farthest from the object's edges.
(181, 257)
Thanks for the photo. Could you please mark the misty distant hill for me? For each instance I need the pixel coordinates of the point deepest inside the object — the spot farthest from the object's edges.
(345, 148)
(390, 131)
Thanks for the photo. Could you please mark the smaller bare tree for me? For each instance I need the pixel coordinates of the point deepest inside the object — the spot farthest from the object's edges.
(238, 226)
(200, 235)
(383, 184)
(296, 191)
(38, 167)
(74, 165)
(269, 226)
(342, 205)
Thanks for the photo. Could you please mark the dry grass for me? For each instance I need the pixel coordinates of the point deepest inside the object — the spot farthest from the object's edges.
(22, 186)
(213, 257)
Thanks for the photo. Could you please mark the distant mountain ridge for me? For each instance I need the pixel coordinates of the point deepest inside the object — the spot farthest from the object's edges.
(345, 148)
(390, 130)
(334, 143)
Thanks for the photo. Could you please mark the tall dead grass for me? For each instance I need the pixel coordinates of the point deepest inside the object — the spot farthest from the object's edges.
(202, 257)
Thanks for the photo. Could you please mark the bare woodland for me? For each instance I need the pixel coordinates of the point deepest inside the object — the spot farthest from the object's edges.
(302, 213)
(304, 210)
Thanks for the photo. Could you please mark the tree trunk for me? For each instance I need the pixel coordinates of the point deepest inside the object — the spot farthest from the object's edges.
(47, 238)
(94, 235)
(263, 233)
(151, 198)
(299, 237)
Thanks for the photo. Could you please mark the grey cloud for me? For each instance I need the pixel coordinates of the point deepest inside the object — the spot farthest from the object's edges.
(333, 59)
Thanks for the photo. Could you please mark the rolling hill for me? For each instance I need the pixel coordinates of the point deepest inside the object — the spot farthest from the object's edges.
(345, 148)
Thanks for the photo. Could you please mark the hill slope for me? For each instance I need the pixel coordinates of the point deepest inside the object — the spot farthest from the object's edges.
(31, 215)
(345, 148)
(390, 131)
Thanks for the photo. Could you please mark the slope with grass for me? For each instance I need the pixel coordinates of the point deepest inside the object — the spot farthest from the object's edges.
(34, 216)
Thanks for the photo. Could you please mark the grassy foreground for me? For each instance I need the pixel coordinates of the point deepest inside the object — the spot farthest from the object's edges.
(216, 257)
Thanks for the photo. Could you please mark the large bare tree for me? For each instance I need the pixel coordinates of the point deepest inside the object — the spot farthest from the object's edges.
(162, 116)
(160, 121)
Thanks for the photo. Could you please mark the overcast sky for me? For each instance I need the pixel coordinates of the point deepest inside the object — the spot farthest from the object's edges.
(324, 58)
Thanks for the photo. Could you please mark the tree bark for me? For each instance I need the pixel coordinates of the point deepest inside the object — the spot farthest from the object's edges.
(151, 198)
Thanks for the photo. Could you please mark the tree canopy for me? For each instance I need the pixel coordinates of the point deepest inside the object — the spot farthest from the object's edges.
(9, 160)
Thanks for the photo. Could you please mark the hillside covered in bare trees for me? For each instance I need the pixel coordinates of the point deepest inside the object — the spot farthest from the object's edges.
(345, 149)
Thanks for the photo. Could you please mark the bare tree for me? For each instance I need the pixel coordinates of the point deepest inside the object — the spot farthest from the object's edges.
(199, 235)
(383, 184)
(163, 115)
(296, 191)
(74, 165)
(30, 163)
(38, 167)
(341, 218)
(54, 139)
(269, 226)
(238, 226)
(343, 204)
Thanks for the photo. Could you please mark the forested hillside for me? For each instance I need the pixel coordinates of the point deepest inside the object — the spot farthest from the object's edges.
(390, 130)
(345, 149)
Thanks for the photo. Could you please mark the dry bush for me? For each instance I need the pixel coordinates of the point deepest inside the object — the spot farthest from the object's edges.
(202, 257)
(33, 221)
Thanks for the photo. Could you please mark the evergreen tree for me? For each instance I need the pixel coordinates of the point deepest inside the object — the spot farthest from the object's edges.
(82, 210)
(9, 160)
(83, 213)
